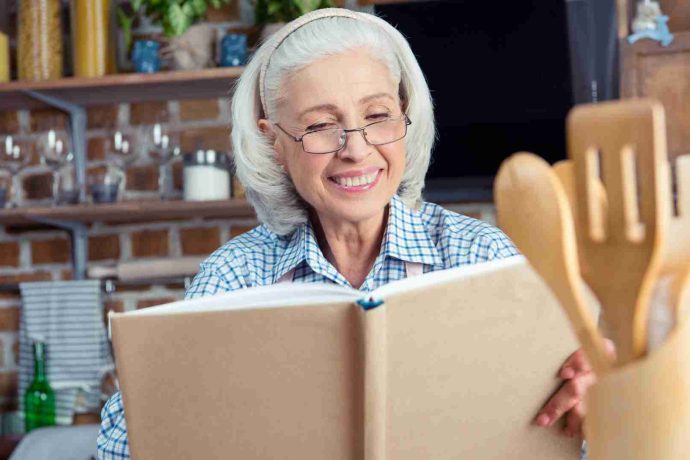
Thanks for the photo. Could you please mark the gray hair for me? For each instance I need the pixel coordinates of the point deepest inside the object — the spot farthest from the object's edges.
(268, 187)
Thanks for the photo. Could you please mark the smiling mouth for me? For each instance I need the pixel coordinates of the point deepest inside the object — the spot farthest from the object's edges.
(362, 182)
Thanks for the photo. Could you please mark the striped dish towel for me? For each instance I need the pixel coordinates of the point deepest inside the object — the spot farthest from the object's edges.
(68, 317)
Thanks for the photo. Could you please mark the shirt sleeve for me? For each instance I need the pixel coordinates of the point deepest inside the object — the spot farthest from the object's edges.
(215, 277)
(112, 438)
(491, 246)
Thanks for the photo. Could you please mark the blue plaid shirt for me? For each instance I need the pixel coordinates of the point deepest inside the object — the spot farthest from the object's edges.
(433, 236)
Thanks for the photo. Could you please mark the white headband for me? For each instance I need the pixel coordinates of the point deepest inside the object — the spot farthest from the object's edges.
(290, 27)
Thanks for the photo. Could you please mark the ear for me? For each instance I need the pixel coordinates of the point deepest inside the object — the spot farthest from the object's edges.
(267, 130)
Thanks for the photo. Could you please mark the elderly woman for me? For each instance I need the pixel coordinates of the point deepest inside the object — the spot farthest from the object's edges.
(332, 134)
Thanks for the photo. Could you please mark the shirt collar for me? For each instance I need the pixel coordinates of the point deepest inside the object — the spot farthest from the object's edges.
(406, 239)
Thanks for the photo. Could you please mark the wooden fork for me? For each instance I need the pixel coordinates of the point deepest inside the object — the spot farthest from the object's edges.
(624, 145)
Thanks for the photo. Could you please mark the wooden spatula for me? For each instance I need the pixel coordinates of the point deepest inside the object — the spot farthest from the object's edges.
(676, 262)
(624, 145)
(533, 210)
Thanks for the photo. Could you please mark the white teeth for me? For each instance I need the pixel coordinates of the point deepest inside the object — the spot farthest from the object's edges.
(356, 181)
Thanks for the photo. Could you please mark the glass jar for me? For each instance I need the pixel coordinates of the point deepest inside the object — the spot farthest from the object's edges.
(90, 28)
(206, 176)
(39, 40)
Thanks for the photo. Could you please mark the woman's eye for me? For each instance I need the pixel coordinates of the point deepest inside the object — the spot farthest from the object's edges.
(378, 116)
(320, 126)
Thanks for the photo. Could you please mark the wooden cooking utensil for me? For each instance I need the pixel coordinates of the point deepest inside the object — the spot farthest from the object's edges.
(565, 170)
(676, 262)
(624, 144)
(533, 210)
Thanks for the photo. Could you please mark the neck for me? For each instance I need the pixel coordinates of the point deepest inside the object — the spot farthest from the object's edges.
(351, 247)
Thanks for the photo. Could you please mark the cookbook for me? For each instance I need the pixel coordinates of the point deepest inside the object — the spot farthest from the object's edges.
(446, 365)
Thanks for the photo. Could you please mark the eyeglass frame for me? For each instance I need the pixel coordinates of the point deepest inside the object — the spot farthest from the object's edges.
(404, 116)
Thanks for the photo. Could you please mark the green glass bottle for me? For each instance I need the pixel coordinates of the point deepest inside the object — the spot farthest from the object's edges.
(39, 399)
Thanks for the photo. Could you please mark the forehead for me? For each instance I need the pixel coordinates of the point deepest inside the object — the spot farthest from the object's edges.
(341, 80)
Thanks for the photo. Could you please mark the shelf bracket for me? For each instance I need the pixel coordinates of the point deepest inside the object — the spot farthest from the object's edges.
(77, 119)
(79, 236)
(77, 230)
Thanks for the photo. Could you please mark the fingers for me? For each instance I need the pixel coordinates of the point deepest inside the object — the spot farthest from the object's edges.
(565, 399)
(574, 420)
(576, 364)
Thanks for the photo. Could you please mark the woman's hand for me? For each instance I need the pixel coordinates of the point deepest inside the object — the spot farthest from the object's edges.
(568, 401)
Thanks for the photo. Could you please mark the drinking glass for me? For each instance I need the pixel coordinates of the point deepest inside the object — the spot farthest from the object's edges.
(14, 158)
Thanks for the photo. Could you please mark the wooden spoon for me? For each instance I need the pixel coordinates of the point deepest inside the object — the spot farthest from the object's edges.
(622, 143)
(533, 210)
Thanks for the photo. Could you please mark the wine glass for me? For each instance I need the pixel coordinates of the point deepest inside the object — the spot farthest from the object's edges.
(163, 150)
(120, 156)
(14, 158)
(56, 154)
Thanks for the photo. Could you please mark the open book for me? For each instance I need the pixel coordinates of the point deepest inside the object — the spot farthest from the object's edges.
(447, 365)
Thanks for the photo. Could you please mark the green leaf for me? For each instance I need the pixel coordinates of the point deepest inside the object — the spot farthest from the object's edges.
(177, 19)
(273, 8)
(216, 3)
(305, 6)
(125, 22)
(136, 4)
(199, 7)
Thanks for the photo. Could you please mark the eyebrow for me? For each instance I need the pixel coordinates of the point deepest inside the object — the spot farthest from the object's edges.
(333, 108)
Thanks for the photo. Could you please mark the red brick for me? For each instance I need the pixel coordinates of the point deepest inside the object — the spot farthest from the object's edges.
(95, 149)
(25, 277)
(66, 274)
(9, 254)
(145, 303)
(148, 113)
(120, 288)
(226, 13)
(178, 175)
(199, 241)
(7, 296)
(9, 319)
(54, 250)
(9, 122)
(150, 243)
(104, 247)
(217, 138)
(199, 109)
(102, 116)
(237, 230)
(48, 118)
(142, 178)
(8, 384)
(116, 306)
(38, 186)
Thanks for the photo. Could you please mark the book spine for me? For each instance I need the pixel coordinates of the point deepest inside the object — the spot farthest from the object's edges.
(375, 372)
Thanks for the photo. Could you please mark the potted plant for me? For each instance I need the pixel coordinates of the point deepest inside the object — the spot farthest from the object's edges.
(272, 14)
(189, 45)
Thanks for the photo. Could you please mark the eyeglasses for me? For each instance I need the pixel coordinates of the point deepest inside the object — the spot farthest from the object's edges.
(333, 140)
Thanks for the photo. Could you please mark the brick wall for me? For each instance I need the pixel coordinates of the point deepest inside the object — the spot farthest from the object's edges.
(39, 254)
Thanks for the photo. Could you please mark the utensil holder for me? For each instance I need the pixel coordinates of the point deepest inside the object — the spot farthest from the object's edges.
(641, 411)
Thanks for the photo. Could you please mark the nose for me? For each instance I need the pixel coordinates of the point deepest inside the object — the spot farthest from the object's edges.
(356, 147)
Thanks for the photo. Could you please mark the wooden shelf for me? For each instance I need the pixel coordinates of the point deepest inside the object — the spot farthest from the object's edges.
(132, 87)
(129, 212)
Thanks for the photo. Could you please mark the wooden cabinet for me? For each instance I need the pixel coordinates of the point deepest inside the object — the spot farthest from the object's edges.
(663, 73)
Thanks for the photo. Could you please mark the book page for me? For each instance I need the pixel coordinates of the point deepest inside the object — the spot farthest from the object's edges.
(469, 363)
(272, 296)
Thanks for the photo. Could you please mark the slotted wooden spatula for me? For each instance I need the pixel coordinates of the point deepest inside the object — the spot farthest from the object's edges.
(623, 144)
(676, 262)
(533, 210)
